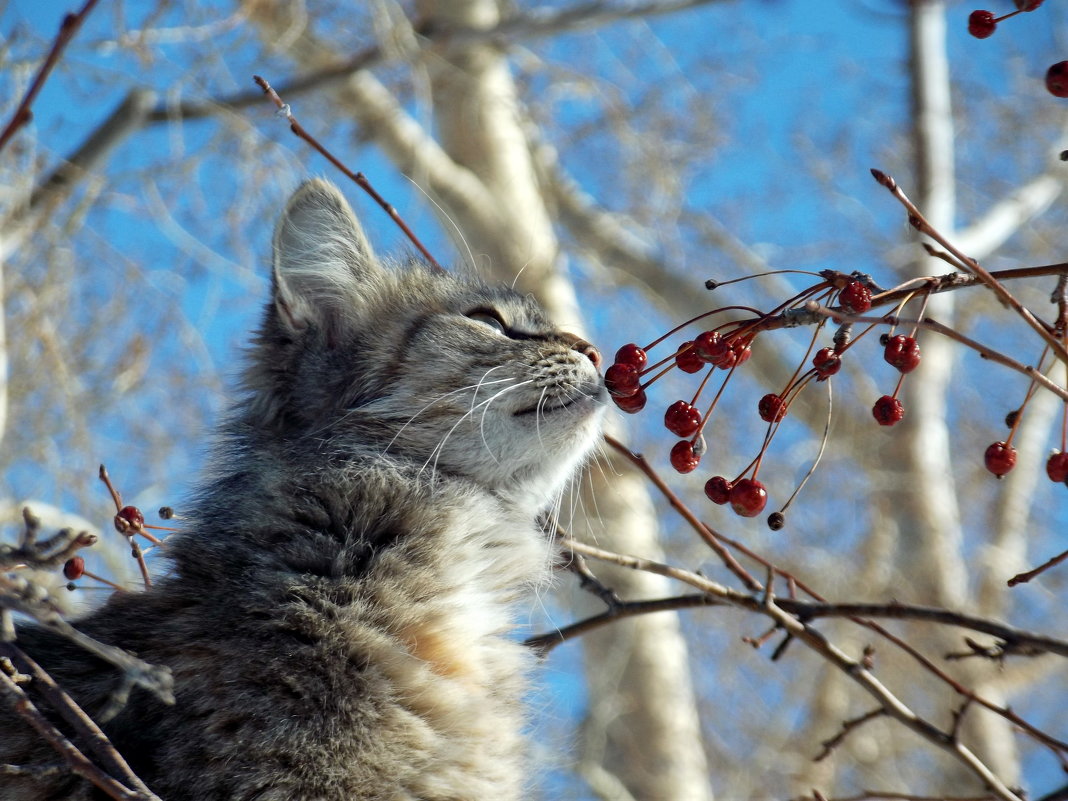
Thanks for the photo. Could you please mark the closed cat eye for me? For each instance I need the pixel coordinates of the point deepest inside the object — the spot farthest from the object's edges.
(490, 318)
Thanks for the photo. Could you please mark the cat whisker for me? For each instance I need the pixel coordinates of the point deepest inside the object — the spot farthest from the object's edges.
(482, 382)
(435, 454)
(537, 419)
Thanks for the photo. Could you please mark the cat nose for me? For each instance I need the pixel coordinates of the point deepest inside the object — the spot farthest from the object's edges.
(589, 351)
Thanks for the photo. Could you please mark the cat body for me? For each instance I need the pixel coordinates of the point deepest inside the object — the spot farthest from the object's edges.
(339, 601)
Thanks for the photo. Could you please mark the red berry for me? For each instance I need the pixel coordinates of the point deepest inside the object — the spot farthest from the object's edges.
(632, 404)
(1057, 79)
(748, 497)
(827, 363)
(1027, 5)
(718, 490)
(631, 354)
(887, 411)
(682, 419)
(622, 380)
(981, 24)
(771, 408)
(721, 354)
(129, 517)
(704, 343)
(683, 458)
(1057, 466)
(855, 298)
(903, 353)
(1000, 458)
(74, 568)
(688, 361)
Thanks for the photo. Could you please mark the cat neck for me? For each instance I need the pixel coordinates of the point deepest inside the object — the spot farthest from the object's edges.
(337, 519)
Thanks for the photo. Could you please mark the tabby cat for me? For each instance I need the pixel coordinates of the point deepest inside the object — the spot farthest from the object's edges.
(337, 608)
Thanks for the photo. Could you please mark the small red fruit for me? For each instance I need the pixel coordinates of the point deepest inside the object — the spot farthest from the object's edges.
(1057, 466)
(1000, 458)
(683, 458)
(887, 411)
(771, 408)
(722, 355)
(631, 354)
(827, 363)
(74, 568)
(688, 361)
(704, 342)
(1057, 79)
(632, 404)
(748, 497)
(682, 419)
(1027, 5)
(718, 490)
(855, 298)
(622, 380)
(903, 353)
(129, 518)
(981, 24)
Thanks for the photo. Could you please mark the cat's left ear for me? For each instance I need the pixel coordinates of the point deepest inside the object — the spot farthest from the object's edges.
(321, 259)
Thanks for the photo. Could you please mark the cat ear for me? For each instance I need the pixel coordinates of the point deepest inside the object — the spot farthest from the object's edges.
(321, 258)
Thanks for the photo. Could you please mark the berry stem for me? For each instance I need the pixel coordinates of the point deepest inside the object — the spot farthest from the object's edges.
(701, 316)
(923, 311)
(764, 275)
(1031, 387)
(1010, 14)
(701, 388)
(819, 455)
(659, 375)
(703, 530)
(715, 400)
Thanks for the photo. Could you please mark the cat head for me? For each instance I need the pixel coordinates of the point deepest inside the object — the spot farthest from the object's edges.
(358, 359)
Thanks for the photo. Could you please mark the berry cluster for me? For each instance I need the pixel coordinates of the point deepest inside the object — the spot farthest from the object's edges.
(129, 521)
(982, 24)
(727, 346)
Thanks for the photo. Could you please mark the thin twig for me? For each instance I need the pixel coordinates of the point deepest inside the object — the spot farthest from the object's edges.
(544, 643)
(1021, 578)
(87, 729)
(848, 726)
(67, 29)
(358, 177)
(78, 762)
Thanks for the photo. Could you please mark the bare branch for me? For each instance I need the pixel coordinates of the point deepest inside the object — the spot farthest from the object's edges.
(77, 761)
(544, 643)
(357, 177)
(918, 221)
(67, 29)
(832, 743)
(88, 731)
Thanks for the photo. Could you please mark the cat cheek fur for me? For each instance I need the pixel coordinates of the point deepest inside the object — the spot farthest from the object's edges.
(339, 601)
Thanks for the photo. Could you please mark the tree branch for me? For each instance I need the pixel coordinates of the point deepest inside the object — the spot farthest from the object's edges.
(67, 29)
